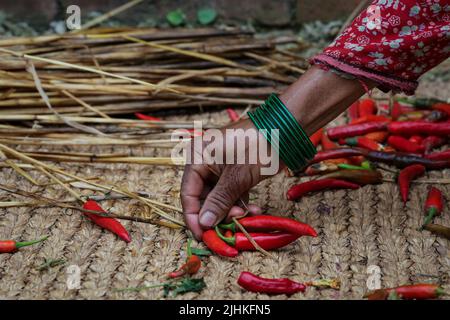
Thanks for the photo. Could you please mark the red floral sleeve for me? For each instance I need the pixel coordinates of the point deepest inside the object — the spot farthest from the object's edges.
(393, 43)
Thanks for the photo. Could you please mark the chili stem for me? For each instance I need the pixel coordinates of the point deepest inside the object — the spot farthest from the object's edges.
(431, 213)
(29, 243)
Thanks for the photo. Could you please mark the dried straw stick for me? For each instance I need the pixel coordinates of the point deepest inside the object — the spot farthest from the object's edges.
(84, 104)
(150, 202)
(83, 68)
(252, 241)
(203, 56)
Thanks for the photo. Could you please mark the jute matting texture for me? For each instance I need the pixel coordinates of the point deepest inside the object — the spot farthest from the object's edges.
(357, 229)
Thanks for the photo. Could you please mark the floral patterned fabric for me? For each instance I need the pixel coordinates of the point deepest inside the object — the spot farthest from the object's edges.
(393, 43)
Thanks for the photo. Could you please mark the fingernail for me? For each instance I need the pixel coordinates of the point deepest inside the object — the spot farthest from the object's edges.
(208, 219)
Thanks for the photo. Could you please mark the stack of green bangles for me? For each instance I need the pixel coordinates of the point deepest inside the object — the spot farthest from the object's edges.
(291, 143)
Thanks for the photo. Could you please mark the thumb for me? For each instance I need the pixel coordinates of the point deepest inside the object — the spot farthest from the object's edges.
(219, 201)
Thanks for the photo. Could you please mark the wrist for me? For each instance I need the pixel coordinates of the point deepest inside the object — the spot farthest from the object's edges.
(320, 96)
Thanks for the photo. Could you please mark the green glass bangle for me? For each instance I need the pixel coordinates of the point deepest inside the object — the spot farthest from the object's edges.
(295, 148)
(310, 149)
(266, 126)
(296, 142)
(285, 142)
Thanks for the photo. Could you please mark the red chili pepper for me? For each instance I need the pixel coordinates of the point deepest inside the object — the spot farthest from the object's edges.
(217, 245)
(253, 283)
(267, 241)
(336, 154)
(434, 205)
(266, 223)
(233, 115)
(410, 128)
(416, 139)
(146, 117)
(415, 291)
(361, 177)
(353, 110)
(191, 266)
(370, 118)
(439, 156)
(406, 176)
(378, 136)
(405, 145)
(353, 130)
(445, 107)
(396, 111)
(326, 143)
(362, 142)
(366, 107)
(301, 189)
(432, 142)
(316, 137)
(9, 246)
(107, 223)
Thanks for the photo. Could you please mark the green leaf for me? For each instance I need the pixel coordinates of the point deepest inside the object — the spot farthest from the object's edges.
(206, 16)
(187, 285)
(200, 252)
(176, 18)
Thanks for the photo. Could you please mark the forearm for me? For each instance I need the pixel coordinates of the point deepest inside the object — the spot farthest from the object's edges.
(320, 96)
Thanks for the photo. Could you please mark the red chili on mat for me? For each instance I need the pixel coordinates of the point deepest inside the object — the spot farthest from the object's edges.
(370, 118)
(439, 156)
(431, 142)
(353, 110)
(146, 117)
(253, 283)
(367, 107)
(326, 143)
(191, 266)
(316, 137)
(217, 245)
(418, 291)
(353, 130)
(362, 142)
(266, 223)
(378, 136)
(233, 115)
(267, 241)
(445, 107)
(9, 246)
(406, 176)
(409, 128)
(433, 205)
(107, 223)
(299, 190)
(336, 154)
(405, 145)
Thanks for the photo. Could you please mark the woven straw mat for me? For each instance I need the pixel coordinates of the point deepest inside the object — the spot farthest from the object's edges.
(357, 229)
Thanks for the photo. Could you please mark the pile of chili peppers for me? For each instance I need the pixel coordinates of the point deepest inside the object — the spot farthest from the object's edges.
(269, 232)
(405, 136)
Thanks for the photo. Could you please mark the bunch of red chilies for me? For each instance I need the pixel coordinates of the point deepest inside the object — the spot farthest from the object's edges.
(405, 137)
(269, 232)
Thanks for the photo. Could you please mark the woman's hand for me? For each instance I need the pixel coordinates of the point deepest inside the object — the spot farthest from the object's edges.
(211, 193)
